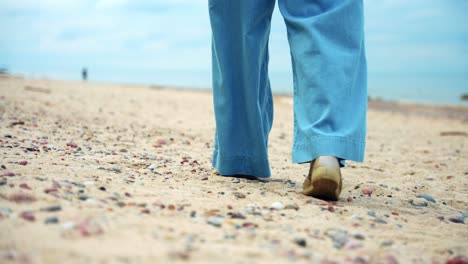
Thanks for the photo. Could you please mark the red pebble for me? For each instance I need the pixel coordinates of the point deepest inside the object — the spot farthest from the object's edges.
(171, 207)
(350, 199)
(331, 208)
(23, 162)
(367, 192)
(25, 186)
(22, 198)
(8, 173)
(51, 190)
(72, 145)
(28, 216)
(458, 260)
(395, 213)
(128, 195)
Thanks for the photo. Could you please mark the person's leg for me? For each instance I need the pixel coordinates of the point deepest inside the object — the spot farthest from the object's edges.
(241, 89)
(330, 89)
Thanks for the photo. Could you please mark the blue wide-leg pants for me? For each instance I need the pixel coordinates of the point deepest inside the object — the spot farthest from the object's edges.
(326, 39)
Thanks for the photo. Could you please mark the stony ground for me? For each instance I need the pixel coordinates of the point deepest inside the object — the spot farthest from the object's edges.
(100, 173)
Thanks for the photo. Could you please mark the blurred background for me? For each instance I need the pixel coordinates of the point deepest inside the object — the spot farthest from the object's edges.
(417, 50)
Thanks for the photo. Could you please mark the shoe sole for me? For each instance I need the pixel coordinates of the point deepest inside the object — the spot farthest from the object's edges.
(325, 185)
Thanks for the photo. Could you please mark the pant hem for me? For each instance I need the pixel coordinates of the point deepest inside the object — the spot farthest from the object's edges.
(341, 147)
(241, 165)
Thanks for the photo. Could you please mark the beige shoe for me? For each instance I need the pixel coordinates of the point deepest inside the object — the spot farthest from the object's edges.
(324, 179)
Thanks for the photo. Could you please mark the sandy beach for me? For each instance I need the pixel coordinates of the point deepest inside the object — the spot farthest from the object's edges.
(109, 173)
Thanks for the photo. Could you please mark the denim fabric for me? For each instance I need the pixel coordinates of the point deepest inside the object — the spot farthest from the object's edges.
(326, 39)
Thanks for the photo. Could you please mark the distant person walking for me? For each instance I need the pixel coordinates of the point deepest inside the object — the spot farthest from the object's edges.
(326, 40)
(84, 74)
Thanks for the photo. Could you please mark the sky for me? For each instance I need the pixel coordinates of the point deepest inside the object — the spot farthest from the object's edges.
(416, 50)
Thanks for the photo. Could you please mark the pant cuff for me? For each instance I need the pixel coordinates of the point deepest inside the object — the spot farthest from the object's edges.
(340, 147)
(241, 165)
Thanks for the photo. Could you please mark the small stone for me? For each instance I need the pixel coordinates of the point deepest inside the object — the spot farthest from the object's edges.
(72, 145)
(8, 174)
(102, 188)
(457, 220)
(380, 220)
(151, 167)
(350, 199)
(359, 236)
(418, 202)
(53, 208)
(51, 220)
(24, 186)
(386, 243)
(277, 206)
(395, 213)
(239, 195)
(234, 215)
(426, 197)
(215, 221)
(23, 162)
(367, 192)
(3, 182)
(116, 170)
(236, 180)
(330, 208)
(339, 237)
(88, 183)
(300, 242)
(292, 207)
(28, 216)
(22, 198)
(128, 194)
(83, 197)
(458, 260)
(371, 213)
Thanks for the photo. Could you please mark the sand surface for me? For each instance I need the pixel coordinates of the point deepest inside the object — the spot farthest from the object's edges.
(107, 173)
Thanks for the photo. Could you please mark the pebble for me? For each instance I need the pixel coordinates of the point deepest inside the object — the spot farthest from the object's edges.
(367, 192)
(458, 260)
(23, 162)
(236, 215)
(53, 208)
(28, 216)
(102, 188)
(380, 220)
(292, 207)
(88, 183)
(277, 206)
(51, 220)
(418, 202)
(371, 213)
(83, 197)
(300, 242)
(236, 180)
(386, 243)
(24, 186)
(152, 167)
(339, 237)
(22, 198)
(239, 195)
(3, 182)
(457, 220)
(116, 170)
(8, 174)
(359, 236)
(215, 221)
(427, 197)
